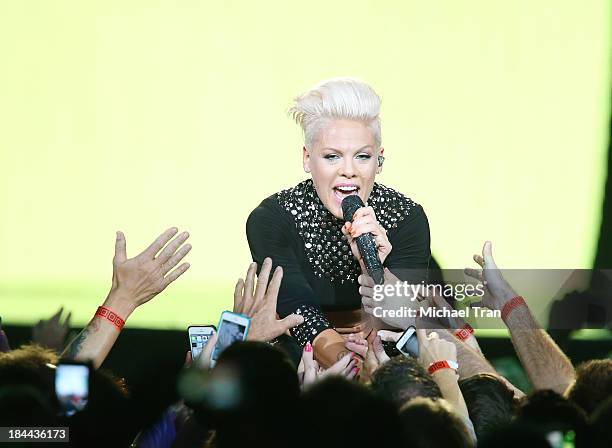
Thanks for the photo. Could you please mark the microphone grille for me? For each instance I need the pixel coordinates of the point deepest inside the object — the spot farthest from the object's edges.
(350, 205)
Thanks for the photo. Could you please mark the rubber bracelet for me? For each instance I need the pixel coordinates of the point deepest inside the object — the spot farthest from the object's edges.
(444, 364)
(107, 314)
(465, 332)
(513, 303)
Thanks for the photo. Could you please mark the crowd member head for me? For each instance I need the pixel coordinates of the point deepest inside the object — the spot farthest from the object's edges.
(431, 423)
(490, 403)
(336, 411)
(255, 387)
(341, 124)
(601, 429)
(550, 413)
(401, 379)
(514, 435)
(27, 386)
(593, 384)
(27, 394)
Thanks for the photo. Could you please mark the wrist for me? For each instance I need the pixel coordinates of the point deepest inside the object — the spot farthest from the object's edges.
(119, 305)
(512, 304)
(443, 366)
(464, 332)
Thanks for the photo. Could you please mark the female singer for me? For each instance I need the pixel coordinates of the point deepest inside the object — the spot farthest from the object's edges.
(302, 228)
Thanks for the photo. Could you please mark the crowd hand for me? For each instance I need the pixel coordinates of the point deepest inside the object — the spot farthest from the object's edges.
(454, 323)
(137, 280)
(203, 359)
(497, 289)
(392, 301)
(432, 348)
(364, 221)
(370, 349)
(310, 372)
(51, 333)
(260, 304)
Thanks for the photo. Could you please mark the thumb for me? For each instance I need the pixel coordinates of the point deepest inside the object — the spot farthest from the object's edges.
(292, 320)
(487, 255)
(120, 252)
(310, 370)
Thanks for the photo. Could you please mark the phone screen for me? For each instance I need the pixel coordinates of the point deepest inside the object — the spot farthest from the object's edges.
(198, 337)
(229, 332)
(72, 387)
(408, 344)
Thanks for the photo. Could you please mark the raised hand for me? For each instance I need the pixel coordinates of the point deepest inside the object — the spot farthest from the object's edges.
(498, 291)
(387, 302)
(260, 303)
(51, 333)
(432, 348)
(137, 280)
(310, 372)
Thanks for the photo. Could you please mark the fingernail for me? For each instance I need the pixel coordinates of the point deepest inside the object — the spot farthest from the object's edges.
(308, 347)
(355, 370)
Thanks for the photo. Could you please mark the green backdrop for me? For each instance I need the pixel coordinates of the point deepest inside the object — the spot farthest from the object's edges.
(138, 115)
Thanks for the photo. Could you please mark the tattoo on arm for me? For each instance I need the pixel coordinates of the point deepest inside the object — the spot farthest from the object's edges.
(73, 350)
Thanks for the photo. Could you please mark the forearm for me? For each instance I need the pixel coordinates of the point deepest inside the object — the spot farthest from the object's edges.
(446, 379)
(329, 347)
(96, 340)
(545, 363)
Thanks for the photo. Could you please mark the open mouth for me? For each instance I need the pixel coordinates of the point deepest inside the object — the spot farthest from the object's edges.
(342, 191)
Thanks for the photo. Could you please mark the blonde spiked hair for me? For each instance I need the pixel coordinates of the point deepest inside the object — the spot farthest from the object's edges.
(336, 99)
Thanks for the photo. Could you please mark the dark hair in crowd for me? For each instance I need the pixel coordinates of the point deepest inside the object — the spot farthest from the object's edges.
(336, 412)
(593, 384)
(401, 379)
(427, 423)
(265, 385)
(489, 401)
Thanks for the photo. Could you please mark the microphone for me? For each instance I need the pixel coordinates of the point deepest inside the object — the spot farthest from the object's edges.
(365, 242)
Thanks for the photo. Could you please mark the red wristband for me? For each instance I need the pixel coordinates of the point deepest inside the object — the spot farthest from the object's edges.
(465, 332)
(106, 313)
(445, 364)
(513, 303)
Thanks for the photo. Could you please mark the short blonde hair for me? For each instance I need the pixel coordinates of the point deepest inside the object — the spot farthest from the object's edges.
(336, 99)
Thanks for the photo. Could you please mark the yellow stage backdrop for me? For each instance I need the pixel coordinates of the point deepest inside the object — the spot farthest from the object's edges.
(140, 114)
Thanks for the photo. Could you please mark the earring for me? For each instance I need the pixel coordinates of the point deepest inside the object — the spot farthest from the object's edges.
(381, 160)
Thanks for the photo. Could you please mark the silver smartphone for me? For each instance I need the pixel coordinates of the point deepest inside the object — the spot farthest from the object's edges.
(408, 343)
(198, 337)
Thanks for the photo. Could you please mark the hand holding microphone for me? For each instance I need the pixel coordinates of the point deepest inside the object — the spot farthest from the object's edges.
(367, 238)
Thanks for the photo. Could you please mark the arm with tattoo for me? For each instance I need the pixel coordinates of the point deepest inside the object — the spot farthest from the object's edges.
(135, 281)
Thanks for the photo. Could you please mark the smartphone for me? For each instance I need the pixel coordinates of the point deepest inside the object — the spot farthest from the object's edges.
(198, 337)
(408, 344)
(232, 327)
(72, 381)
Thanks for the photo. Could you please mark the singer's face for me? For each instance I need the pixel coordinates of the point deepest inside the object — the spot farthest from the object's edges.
(342, 161)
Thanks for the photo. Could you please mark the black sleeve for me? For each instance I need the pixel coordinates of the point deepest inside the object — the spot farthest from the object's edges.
(409, 258)
(271, 233)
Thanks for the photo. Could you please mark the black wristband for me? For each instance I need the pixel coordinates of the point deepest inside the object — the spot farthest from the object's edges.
(314, 323)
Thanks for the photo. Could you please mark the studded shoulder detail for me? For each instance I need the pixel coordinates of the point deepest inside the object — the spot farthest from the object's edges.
(325, 246)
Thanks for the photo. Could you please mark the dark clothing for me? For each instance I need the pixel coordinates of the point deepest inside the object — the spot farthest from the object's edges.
(295, 230)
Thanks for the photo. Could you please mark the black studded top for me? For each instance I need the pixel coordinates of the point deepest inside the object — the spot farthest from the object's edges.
(294, 228)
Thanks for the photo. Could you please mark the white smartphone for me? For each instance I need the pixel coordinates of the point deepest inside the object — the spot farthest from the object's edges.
(72, 380)
(232, 327)
(408, 344)
(198, 337)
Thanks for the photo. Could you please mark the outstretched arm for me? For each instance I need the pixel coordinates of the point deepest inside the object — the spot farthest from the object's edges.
(135, 281)
(545, 363)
